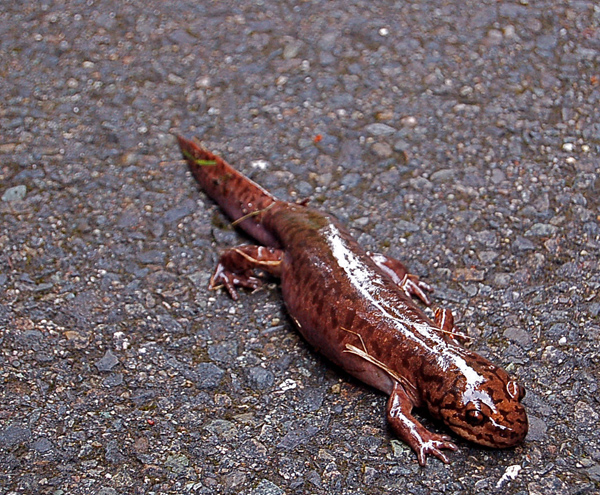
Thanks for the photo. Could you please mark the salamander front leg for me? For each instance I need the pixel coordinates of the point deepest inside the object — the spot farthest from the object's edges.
(408, 282)
(421, 440)
(239, 267)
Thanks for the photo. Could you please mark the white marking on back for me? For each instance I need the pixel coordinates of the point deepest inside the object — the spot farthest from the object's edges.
(368, 283)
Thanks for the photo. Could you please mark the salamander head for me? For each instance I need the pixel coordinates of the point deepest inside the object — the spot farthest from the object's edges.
(485, 407)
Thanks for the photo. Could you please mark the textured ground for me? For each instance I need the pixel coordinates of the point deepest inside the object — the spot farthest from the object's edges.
(462, 137)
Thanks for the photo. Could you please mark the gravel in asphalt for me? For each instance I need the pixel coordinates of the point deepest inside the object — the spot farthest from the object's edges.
(461, 137)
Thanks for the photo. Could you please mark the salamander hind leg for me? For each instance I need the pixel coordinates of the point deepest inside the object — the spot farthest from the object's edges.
(421, 440)
(445, 321)
(408, 282)
(243, 265)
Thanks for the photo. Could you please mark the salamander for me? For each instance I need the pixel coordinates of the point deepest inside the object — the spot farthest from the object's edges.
(359, 310)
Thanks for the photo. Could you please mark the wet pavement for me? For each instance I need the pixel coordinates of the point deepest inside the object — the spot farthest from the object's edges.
(461, 137)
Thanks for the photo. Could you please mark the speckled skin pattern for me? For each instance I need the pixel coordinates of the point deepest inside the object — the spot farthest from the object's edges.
(356, 308)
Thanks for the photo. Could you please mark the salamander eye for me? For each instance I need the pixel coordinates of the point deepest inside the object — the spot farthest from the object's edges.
(475, 417)
(515, 390)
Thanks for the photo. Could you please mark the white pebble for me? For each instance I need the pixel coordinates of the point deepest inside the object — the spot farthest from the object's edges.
(288, 384)
(259, 164)
(568, 146)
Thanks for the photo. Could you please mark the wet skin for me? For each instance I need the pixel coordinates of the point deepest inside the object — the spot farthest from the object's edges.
(357, 309)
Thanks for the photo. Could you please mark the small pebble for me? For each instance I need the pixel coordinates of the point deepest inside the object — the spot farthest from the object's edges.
(379, 129)
(42, 445)
(108, 361)
(16, 193)
(208, 375)
(14, 435)
(259, 164)
(382, 150)
(266, 487)
(259, 378)
(541, 229)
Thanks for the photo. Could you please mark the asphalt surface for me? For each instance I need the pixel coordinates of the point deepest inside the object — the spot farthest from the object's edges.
(461, 137)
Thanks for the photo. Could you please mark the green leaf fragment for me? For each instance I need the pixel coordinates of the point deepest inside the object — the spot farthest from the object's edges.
(198, 161)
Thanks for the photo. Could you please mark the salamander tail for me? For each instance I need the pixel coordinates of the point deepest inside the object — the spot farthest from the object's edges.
(242, 199)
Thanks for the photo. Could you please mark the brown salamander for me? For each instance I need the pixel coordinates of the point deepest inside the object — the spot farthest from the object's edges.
(356, 308)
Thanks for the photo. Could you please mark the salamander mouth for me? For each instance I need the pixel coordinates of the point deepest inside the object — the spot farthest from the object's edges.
(492, 435)
(488, 438)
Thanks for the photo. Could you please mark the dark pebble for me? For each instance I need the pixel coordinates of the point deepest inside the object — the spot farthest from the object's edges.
(30, 338)
(175, 214)
(592, 229)
(304, 189)
(177, 463)
(114, 380)
(265, 487)
(380, 129)
(182, 37)
(405, 226)
(128, 219)
(522, 244)
(297, 437)
(351, 180)
(14, 435)
(152, 257)
(142, 397)
(223, 352)
(107, 362)
(593, 473)
(225, 237)
(42, 445)
(542, 230)
(253, 449)
(113, 454)
(537, 429)
(311, 399)
(519, 336)
(368, 443)
(208, 375)
(223, 428)
(259, 378)
(43, 287)
(44, 357)
(443, 175)
(169, 324)
(449, 295)
(314, 478)
(558, 330)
